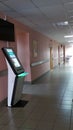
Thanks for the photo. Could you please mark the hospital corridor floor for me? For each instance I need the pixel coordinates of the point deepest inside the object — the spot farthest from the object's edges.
(49, 107)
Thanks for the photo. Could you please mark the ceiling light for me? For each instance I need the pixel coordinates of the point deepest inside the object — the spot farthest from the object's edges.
(70, 41)
(66, 22)
(68, 36)
(62, 23)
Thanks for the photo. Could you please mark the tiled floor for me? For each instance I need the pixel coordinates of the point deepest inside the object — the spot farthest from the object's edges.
(50, 105)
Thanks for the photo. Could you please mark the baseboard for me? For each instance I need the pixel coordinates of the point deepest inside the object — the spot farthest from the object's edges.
(27, 82)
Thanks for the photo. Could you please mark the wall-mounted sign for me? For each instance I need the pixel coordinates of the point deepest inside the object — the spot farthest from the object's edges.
(35, 48)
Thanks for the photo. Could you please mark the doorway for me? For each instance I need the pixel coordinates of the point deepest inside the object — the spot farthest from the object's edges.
(51, 58)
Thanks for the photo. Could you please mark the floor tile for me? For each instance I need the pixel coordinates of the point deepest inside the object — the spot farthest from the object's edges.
(49, 107)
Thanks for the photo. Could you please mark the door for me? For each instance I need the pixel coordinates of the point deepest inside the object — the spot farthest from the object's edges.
(51, 58)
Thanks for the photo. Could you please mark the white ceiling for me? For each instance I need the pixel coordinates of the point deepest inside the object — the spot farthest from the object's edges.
(42, 15)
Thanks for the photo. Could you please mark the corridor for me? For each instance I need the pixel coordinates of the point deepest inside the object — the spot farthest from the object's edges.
(50, 104)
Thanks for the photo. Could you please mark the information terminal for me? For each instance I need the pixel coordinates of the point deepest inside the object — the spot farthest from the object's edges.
(16, 76)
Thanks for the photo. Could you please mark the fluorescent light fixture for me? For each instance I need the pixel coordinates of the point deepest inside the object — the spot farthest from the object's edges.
(68, 36)
(62, 23)
(70, 41)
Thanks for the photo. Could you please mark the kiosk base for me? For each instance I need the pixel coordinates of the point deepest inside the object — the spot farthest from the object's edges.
(20, 103)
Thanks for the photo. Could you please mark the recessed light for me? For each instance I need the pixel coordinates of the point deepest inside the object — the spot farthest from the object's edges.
(66, 22)
(68, 36)
(62, 23)
(70, 41)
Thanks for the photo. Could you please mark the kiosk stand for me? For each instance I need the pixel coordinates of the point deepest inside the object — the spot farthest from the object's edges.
(16, 77)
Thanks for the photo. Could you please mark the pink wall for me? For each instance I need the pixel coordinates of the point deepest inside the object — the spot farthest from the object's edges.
(26, 44)
(3, 78)
(2, 59)
(43, 53)
(3, 87)
(24, 48)
(23, 51)
(3, 68)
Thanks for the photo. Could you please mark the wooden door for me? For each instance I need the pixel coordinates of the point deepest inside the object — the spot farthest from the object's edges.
(51, 58)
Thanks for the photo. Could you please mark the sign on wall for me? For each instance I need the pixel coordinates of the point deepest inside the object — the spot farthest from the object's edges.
(35, 48)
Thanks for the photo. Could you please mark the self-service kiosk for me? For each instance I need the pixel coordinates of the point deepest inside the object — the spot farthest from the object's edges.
(16, 75)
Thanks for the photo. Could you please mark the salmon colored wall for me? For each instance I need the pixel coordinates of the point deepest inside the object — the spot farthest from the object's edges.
(39, 70)
(43, 53)
(3, 68)
(43, 45)
(3, 78)
(3, 87)
(23, 51)
(24, 47)
(2, 59)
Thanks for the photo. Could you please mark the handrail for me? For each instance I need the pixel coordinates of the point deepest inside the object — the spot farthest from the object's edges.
(39, 62)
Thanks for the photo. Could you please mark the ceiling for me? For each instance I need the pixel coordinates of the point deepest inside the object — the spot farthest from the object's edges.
(45, 16)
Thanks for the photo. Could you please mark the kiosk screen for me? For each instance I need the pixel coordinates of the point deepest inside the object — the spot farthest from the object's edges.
(13, 60)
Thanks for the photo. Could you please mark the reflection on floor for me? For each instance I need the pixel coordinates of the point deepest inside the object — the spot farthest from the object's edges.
(50, 105)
